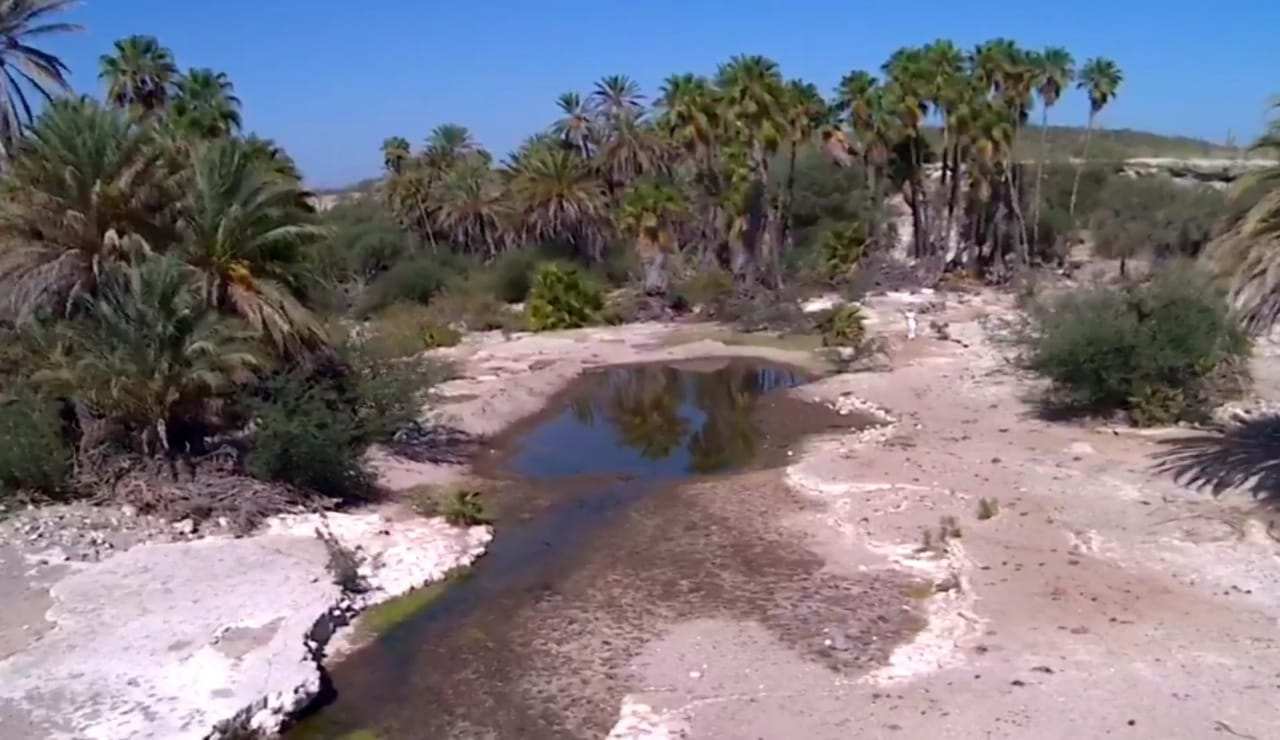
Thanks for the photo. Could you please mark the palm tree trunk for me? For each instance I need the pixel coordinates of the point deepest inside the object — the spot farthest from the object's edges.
(791, 193)
(1084, 157)
(1044, 144)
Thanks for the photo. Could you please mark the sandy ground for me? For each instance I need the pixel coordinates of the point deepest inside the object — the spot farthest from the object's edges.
(1104, 599)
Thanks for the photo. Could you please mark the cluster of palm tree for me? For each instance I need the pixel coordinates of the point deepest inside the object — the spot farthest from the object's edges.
(707, 168)
(150, 255)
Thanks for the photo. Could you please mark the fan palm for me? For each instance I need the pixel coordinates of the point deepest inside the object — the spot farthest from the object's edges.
(83, 187)
(689, 113)
(244, 228)
(1055, 70)
(617, 95)
(752, 90)
(805, 112)
(447, 145)
(631, 150)
(649, 216)
(1100, 78)
(148, 351)
(204, 104)
(395, 152)
(139, 74)
(1244, 255)
(559, 198)
(26, 66)
(574, 127)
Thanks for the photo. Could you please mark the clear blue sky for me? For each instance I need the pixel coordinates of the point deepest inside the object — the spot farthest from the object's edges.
(330, 79)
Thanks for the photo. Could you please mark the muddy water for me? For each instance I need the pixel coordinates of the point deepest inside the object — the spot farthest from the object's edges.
(617, 517)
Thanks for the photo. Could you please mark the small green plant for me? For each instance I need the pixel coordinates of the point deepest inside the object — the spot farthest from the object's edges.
(988, 508)
(33, 454)
(842, 250)
(935, 542)
(465, 509)
(562, 298)
(843, 327)
(1156, 406)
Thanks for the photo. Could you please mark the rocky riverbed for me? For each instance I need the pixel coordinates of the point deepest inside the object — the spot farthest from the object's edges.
(1102, 581)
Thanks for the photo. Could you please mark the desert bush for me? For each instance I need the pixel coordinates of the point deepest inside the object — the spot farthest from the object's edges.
(843, 327)
(469, 304)
(416, 279)
(562, 298)
(405, 329)
(842, 249)
(1147, 349)
(34, 456)
(465, 509)
(709, 288)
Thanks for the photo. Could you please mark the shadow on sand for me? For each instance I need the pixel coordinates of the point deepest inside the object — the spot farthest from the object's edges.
(1244, 456)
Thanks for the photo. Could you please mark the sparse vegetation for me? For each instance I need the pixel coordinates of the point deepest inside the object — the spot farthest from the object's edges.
(465, 509)
(33, 454)
(343, 564)
(1147, 349)
(988, 508)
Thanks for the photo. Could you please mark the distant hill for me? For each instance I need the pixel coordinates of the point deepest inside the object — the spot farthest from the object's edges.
(1064, 142)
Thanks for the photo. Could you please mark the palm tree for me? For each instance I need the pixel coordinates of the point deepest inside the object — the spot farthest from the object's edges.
(1100, 78)
(575, 127)
(447, 145)
(690, 114)
(752, 90)
(805, 112)
(559, 198)
(471, 207)
(649, 216)
(243, 230)
(205, 105)
(86, 186)
(395, 152)
(1244, 255)
(1055, 71)
(631, 150)
(139, 74)
(615, 96)
(149, 351)
(25, 65)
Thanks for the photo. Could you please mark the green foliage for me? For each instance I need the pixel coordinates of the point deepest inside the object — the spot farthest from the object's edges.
(562, 298)
(843, 327)
(511, 274)
(842, 250)
(312, 426)
(1148, 349)
(33, 453)
(415, 279)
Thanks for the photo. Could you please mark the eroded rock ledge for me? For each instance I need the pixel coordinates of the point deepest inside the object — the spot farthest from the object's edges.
(181, 640)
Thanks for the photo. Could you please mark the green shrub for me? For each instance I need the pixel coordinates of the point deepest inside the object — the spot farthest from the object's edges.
(843, 327)
(469, 304)
(511, 274)
(465, 509)
(405, 329)
(33, 454)
(842, 249)
(562, 298)
(1149, 349)
(312, 426)
(415, 279)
